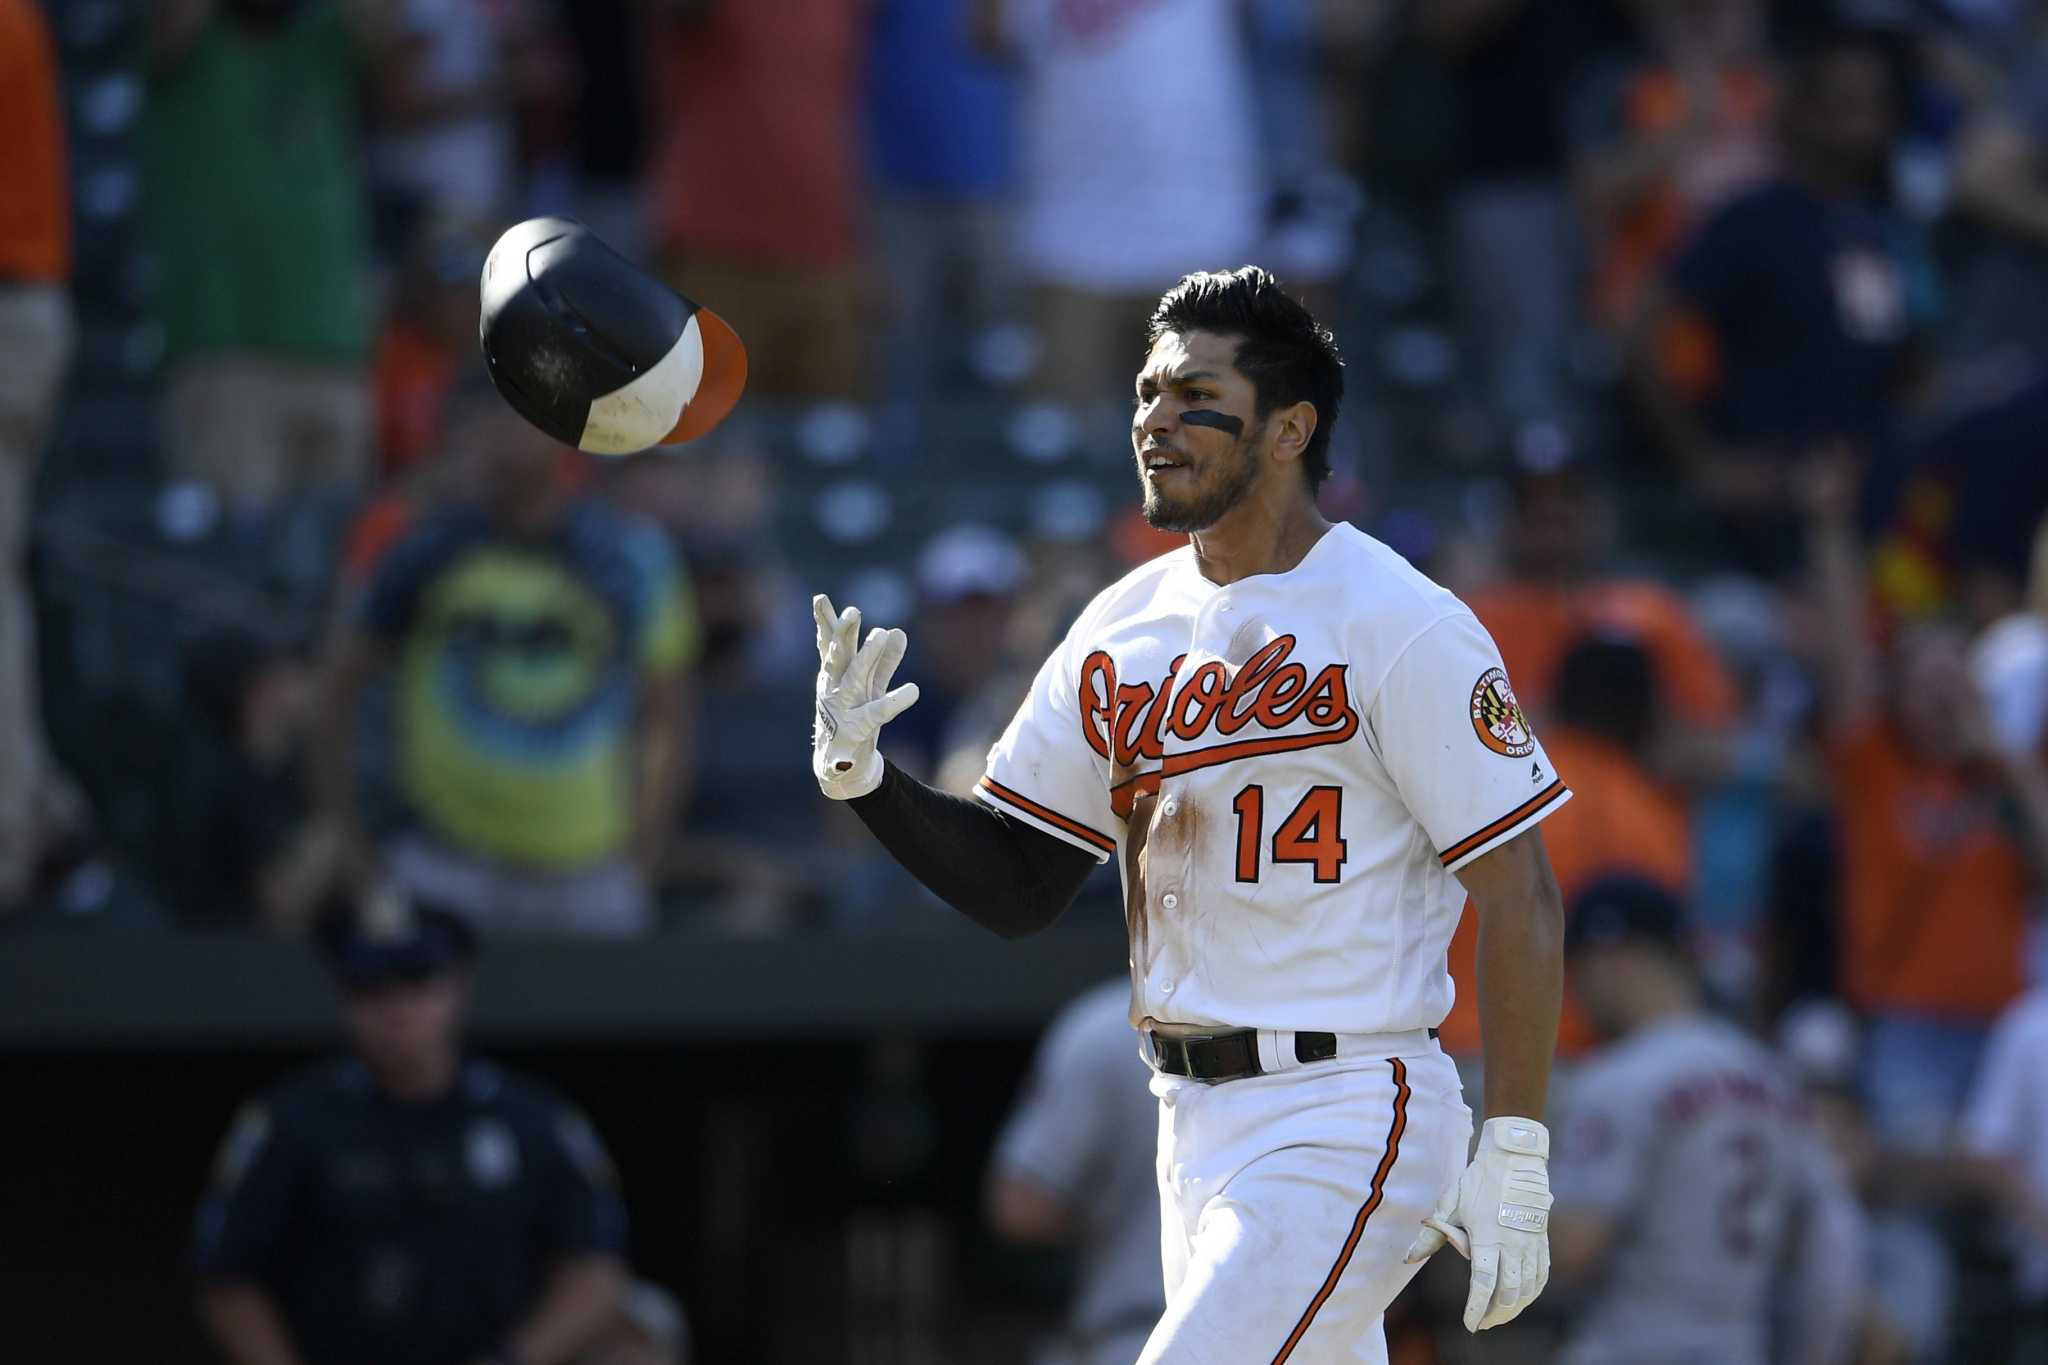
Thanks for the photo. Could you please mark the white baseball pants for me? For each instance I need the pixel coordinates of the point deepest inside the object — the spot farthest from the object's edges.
(1288, 1199)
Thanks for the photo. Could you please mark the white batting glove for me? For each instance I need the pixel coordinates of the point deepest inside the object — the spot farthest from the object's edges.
(854, 700)
(1498, 1216)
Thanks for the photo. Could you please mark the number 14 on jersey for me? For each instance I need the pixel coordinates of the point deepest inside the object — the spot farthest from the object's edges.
(1310, 834)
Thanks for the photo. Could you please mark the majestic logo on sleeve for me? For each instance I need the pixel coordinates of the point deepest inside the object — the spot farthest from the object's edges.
(1129, 723)
(1497, 717)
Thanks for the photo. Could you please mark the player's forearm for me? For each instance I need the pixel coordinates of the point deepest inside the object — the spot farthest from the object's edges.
(246, 1325)
(1002, 875)
(582, 1297)
(1521, 972)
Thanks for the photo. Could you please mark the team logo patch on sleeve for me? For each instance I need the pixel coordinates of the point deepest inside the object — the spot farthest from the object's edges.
(1497, 717)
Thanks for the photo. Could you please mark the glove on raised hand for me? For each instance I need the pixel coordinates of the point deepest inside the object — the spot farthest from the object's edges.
(854, 700)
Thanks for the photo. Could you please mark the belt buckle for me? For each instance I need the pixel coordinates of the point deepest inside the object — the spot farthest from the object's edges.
(1174, 1056)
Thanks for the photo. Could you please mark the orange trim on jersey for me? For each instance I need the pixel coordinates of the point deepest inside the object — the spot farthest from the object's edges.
(1126, 792)
(1534, 805)
(1379, 1182)
(1047, 814)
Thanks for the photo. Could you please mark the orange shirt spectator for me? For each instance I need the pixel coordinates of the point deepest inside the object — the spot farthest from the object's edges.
(753, 196)
(1724, 127)
(35, 207)
(1620, 819)
(413, 373)
(1934, 888)
(756, 147)
(1535, 623)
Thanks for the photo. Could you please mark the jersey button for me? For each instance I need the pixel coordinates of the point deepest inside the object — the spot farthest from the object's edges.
(1169, 900)
(1166, 988)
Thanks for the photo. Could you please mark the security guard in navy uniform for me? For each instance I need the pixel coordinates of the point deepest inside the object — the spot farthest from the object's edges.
(409, 1206)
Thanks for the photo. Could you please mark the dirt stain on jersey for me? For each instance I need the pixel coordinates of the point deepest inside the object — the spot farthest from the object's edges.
(1162, 837)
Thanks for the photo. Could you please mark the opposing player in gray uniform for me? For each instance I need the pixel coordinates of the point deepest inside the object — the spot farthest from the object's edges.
(1074, 1166)
(1699, 1219)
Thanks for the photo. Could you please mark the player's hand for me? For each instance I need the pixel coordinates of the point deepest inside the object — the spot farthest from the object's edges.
(1498, 1216)
(854, 700)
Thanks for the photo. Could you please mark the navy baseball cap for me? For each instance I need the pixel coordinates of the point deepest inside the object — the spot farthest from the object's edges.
(384, 935)
(1624, 909)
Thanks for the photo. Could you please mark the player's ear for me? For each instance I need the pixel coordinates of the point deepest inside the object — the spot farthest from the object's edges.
(1292, 427)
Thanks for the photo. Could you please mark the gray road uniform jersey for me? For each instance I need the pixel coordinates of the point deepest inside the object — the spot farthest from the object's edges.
(1735, 1241)
(1086, 1129)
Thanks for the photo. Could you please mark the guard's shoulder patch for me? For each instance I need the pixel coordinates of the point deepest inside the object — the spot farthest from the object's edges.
(1497, 717)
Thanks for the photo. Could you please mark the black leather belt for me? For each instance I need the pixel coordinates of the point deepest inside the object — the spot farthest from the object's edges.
(1228, 1056)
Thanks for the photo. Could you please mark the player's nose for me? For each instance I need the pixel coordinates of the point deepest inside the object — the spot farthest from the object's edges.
(1154, 416)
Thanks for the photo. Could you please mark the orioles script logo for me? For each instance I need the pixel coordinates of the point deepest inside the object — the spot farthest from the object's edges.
(1127, 722)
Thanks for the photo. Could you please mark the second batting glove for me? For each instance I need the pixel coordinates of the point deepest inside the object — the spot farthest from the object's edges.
(1498, 1216)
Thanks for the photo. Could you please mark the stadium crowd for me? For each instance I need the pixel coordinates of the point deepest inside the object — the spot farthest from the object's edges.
(1701, 345)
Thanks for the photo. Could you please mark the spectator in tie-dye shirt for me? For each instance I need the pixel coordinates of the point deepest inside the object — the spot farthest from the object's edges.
(537, 644)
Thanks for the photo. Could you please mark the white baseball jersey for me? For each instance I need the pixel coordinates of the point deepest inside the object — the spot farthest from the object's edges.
(1292, 767)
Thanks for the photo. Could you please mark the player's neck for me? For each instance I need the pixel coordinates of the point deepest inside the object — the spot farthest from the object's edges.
(1258, 536)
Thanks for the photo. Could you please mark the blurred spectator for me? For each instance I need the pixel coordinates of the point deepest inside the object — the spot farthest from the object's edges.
(1509, 219)
(1695, 1201)
(940, 127)
(1604, 730)
(448, 137)
(968, 579)
(1935, 882)
(2000, 183)
(753, 181)
(254, 213)
(1969, 498)
(1312, 206)
(253, 698)
(428, 340)
(539, 644)
(2009, 663)
(408, 1204)
(1558, 588)
(39, 806)
(1074, 1167)
(1666, 135)
(1128, 181)
(2006, 1121)
(1623, 818)
(1790, 316)
(608, 47)
(747, 857)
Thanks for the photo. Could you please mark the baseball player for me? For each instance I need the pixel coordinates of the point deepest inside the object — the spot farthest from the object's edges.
(1700, 1216)
(1074, 1165)
(1305, 755)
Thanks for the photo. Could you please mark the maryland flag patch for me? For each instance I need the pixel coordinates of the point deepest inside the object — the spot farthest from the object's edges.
(1497, 717)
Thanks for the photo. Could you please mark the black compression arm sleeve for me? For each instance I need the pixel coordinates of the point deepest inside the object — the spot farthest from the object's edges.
(1000, 873)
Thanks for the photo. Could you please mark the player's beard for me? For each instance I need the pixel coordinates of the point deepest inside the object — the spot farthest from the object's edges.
(1199, 513)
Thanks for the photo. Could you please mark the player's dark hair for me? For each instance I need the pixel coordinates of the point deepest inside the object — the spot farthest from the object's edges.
(1286, 354)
